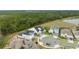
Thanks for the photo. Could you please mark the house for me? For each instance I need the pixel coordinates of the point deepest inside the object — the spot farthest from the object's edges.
(28, 35)
(67, 33)
(67, 36)
(37, 29)
(33, 29)
(54, 29)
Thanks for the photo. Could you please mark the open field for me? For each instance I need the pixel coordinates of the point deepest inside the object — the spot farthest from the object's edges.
(59, 23)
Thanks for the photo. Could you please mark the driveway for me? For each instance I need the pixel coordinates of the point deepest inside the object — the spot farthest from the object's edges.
(50, 41)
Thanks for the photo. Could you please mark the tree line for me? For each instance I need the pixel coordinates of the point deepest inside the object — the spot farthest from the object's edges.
(15, 22)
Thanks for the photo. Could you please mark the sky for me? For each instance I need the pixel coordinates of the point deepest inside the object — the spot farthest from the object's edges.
(39, 4)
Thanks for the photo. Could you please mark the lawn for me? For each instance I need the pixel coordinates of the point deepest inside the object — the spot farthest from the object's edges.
(3, 41)
(47, 32)
(63, 39)
(69, 47)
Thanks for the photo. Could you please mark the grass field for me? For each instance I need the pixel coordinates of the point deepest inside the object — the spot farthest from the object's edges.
(6, 40)
(58, 23)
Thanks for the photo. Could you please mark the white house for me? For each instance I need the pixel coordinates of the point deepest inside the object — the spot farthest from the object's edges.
(67, 36)
(28, 35)
(33, 29)
(37, 29)
(54, 30)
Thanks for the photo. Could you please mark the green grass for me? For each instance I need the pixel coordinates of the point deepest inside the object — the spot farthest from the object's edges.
(69, 47)
(48, 34)
(75, 41)
(47, 31)
(63, 39)
(3, 41)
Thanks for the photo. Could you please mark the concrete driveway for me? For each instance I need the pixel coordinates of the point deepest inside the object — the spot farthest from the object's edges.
(50, 41)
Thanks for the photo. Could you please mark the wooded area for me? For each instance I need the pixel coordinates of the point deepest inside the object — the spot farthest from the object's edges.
(14, 21)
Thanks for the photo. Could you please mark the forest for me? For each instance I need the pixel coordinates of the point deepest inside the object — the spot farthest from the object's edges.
(15, 21)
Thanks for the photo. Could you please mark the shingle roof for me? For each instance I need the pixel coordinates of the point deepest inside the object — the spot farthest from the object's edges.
(39, 28)
(28, 32)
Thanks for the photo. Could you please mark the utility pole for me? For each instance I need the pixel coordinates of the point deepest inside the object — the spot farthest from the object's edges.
(59, 34)
(73, 34)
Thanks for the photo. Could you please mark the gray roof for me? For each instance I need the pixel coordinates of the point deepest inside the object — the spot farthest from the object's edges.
(28, 32)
